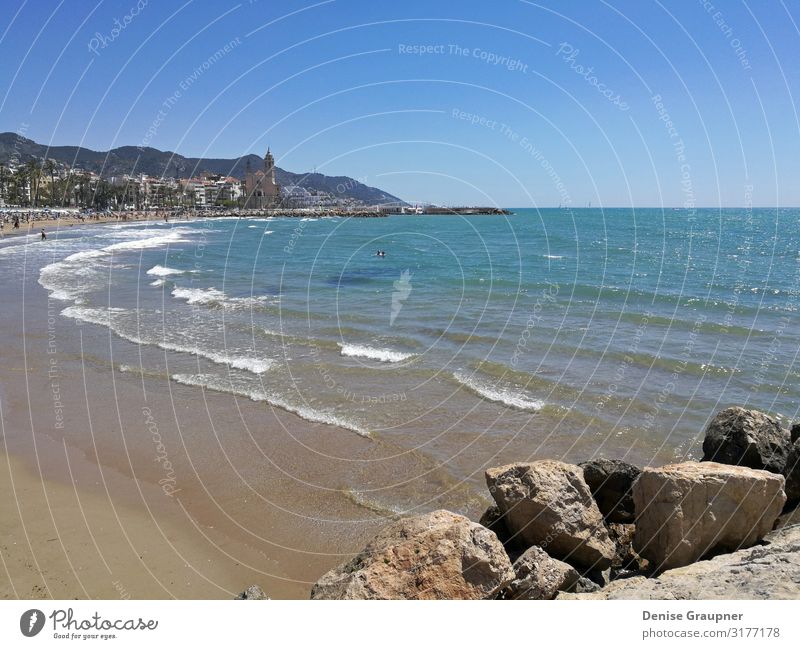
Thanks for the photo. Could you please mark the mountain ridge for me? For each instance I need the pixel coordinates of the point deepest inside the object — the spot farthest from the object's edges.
(169, 164)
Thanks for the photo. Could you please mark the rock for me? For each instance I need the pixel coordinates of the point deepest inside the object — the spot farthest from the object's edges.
(547, 503)
(792, 473)
(538, 576)
(610, 482)
(746, 438)
(252, 592)
(584, 585)
(686, 511)
(770, 571)
(598, 577)
(625, 558)
(789, 517)
(493, 520)
(439, 555)
(794, 432)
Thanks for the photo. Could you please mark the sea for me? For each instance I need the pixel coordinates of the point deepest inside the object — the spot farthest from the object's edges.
(569, 333)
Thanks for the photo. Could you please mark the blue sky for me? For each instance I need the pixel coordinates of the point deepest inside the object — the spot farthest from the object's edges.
(508, 102)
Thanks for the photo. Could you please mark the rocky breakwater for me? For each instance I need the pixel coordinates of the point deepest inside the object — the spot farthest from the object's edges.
(606, 529)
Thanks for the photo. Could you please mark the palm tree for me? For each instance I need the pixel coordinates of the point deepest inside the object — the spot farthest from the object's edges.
(19, 180)
(67, 194)
(50, 168)
(3, 180)
(35, 175)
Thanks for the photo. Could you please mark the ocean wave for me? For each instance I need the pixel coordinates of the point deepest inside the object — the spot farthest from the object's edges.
(219, 384)
(503, 395)
(143, 244)
(106, 317)
(199, 295)
(72, 277)
(164, 271)
(68, 282)
(158, 282)
(84, 254)
(94, 315)
(137, 231)
(214, 297)
(372, 353)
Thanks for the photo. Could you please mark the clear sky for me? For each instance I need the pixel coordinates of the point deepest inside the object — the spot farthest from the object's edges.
(499, 102)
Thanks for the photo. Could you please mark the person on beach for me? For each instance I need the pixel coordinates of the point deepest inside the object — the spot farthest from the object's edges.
(44, 236)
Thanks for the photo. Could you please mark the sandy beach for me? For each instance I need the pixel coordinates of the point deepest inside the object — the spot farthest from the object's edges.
(39, 221)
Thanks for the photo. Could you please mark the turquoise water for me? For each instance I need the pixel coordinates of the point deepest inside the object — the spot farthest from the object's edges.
(565, 330)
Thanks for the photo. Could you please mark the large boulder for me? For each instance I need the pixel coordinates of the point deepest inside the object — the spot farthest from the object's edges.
(610, 482)
(792, 473)
(746, 438)
(440, 555)
(547, 503)
(770, 571)
(689, 510)
(538, 576)
(252, 592)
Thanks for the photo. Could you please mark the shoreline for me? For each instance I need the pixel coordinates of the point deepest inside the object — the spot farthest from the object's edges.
(35, 225)
(88, 472)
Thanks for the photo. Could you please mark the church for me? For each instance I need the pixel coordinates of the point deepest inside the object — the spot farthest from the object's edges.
(261, 189)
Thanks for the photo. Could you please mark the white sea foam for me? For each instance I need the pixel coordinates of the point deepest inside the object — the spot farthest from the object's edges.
(95, 315)
(150, 242)
(220, 384)
(84, 255)
(372, 353)
(503, 395)
(554, 256)
(199, 295)
(253, 365)
(68, 281)
(106, 317)
(158, 282)
(164, 271)
(213, 296)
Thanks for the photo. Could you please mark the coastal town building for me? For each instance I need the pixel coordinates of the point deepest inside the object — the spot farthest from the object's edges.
(261, 189)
